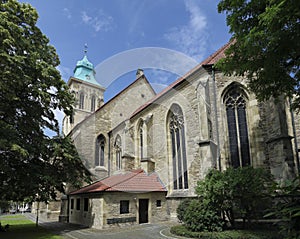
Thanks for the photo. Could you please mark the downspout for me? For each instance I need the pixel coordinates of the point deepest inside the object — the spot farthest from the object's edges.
(216, 117)
(295, 139)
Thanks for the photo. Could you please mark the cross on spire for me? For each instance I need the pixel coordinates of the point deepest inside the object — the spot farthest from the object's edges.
(85, 48)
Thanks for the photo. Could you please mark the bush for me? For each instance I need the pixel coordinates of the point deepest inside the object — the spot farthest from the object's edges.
(241, 191)
(199, 216)
(287, 208)
(181, 209)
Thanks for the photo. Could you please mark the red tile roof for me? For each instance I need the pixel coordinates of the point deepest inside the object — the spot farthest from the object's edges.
(134, 181)
(216, 56)
(212, 59)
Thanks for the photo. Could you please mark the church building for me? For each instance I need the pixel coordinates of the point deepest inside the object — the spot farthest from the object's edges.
(146, 151)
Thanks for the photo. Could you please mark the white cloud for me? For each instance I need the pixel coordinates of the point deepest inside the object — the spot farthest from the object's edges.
(100, 22)
(67, 13)
(191, 38)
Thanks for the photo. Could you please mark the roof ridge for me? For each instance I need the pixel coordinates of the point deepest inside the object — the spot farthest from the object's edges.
(131, 172)
(182, 78)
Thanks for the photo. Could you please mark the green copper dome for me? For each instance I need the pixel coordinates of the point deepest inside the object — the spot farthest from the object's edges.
(84, 70)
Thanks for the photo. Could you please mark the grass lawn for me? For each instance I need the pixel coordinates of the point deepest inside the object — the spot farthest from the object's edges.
(22, 228)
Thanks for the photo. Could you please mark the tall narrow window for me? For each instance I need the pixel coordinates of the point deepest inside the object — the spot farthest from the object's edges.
(72, 118)
(141, 143)
(81, 101)
(179, 160)
(100, 151)
(237, 128)
(118, 150)
(93, 103)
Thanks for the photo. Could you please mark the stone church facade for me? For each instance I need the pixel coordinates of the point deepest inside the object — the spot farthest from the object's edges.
(203, 120)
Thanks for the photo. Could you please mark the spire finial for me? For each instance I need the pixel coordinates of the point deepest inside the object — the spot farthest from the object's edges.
(85, 48)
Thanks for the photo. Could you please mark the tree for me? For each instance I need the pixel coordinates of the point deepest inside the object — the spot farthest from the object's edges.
(265, 46)
(31, 88)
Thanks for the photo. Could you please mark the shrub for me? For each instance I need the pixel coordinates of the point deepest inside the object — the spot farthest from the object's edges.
(199, 216)
(236, 234)
(287, 208)
(240, 191)
(181, 209)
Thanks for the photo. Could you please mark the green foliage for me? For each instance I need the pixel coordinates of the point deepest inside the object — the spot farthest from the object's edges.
(181, 209)
(231, 234)
(31, 89)
(199, 216)
(239, 191)
(287, 208)
(266, 45)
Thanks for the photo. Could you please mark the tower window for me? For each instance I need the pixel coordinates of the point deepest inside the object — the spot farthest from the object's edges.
(93, 103)
(237, 128)
(81, 101)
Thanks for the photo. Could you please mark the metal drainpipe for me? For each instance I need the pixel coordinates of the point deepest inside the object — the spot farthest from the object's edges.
(295, 139)
(216, 117)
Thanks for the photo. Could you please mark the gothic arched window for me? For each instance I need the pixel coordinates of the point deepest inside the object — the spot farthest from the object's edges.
(142, 141)
(81, 101)
(100, 151)
(179, 160)
(93, 103)
(237, 128)
(141, 132)
(118, 150)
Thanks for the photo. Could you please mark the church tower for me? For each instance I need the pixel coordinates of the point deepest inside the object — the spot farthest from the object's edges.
(87, 91)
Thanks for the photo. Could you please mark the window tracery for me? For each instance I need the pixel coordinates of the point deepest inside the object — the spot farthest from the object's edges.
(179, 160)
(236, 114)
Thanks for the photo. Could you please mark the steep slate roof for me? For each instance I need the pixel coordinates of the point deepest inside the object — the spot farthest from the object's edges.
(134, 181)
(212, 59)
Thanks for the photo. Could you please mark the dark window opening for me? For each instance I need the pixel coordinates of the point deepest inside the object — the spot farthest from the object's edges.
(78, 204)
(81, 101)
(237, 129)
(93, 103)
(72, 203)
(158, 203)
(179, 159)
(124, 206)
(85, 204)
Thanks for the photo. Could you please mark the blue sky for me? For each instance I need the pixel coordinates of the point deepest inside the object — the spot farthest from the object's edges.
(191, 27)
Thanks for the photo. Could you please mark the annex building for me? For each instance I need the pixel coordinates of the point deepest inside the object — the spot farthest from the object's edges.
(147, 151)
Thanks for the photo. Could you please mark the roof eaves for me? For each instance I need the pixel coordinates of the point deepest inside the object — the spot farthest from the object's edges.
(208, 61)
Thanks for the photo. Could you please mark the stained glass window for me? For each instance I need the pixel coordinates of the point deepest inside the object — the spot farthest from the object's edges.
(179, 160)
(237, 128)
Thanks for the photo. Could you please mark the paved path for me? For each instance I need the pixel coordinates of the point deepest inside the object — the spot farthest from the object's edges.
(142, 231)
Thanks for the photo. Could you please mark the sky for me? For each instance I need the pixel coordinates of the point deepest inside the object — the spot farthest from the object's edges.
(119, 30)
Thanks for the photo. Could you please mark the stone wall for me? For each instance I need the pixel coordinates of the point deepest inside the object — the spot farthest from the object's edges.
(102, 121)
(104, 209)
